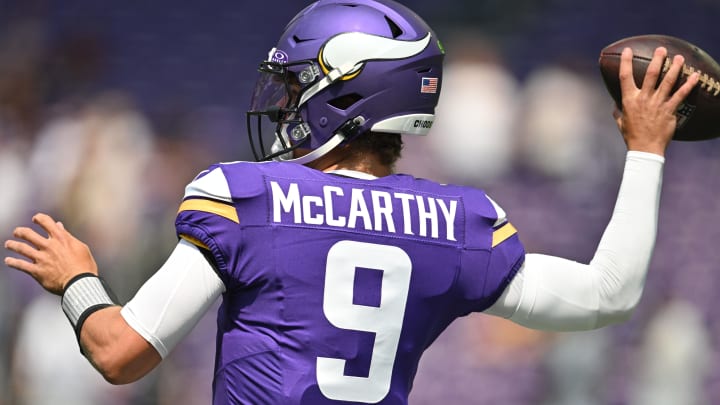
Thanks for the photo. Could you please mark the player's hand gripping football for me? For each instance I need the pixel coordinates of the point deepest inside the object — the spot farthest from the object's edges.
(53, 260)
(648, 119)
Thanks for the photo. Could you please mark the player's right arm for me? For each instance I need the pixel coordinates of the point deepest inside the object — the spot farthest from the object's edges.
(557, 294)
(553, 293)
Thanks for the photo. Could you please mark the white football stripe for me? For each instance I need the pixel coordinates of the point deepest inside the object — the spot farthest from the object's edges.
(212, 185)
(501, 215)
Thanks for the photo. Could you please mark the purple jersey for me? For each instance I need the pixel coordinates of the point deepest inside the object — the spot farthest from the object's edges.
(336, 285)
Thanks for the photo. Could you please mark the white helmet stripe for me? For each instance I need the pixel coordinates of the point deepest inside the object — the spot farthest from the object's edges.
(354, 48)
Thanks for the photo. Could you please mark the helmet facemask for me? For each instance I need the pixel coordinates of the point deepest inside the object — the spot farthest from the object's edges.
(276, 97)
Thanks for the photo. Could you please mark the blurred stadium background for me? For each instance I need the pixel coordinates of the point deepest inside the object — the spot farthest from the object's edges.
(108, 109)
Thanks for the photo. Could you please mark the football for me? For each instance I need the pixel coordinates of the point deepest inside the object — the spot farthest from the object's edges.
(698, 114)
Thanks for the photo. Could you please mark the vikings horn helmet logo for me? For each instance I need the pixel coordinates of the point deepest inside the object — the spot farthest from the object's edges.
(358, 47)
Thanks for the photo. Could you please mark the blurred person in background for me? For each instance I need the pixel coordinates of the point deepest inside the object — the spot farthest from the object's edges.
(575, 368)
(478, 98)
(87, 161)
(337, 304)
(562, 134)
(82, 150)
(674, 358)
(92, 159)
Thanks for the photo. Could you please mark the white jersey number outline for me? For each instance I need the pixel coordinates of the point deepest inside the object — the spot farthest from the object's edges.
(385, 320)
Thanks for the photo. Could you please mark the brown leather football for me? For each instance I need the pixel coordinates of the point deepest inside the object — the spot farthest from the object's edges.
(699, 115)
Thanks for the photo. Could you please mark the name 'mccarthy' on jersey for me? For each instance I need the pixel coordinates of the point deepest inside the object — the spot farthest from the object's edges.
(337, 283)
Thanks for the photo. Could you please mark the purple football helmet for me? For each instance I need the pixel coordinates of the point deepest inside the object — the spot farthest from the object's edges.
(342, 68)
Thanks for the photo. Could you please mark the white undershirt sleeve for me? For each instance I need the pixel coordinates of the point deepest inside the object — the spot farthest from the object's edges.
(553, 293)
(173, 300)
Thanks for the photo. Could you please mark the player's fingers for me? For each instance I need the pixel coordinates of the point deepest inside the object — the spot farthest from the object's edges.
(654, 68)
(671, 76)
(31, 236)
(681, 93)
(22, 265)
(22, 249)
(47, 223)
(627, 82)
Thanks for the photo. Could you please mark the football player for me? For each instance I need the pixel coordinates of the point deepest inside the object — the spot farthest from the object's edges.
(335, 273)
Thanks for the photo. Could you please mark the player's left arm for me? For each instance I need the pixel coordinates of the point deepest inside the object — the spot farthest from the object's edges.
(116, 350)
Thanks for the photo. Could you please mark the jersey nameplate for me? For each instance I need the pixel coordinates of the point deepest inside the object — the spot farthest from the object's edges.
(390, 212)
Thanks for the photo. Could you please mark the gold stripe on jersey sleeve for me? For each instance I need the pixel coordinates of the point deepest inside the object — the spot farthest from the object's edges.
(213, 207)
(195, 242)
(503, 233)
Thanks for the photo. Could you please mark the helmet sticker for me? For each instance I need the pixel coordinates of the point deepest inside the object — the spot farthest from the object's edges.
(429, 85)
(277, 56)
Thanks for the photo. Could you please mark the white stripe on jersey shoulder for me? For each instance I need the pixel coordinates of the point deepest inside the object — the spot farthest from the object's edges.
(501, 215)
(212, 185)
(353, 173)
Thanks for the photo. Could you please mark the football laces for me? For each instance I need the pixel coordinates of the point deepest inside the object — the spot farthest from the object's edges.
(707, 83)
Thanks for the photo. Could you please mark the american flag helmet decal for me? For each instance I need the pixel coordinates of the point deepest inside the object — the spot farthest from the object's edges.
(429, 85)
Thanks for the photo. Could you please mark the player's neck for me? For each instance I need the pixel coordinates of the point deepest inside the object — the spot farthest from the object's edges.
(342, 159)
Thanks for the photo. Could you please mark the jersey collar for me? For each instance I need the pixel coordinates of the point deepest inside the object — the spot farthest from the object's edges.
(353, 173)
